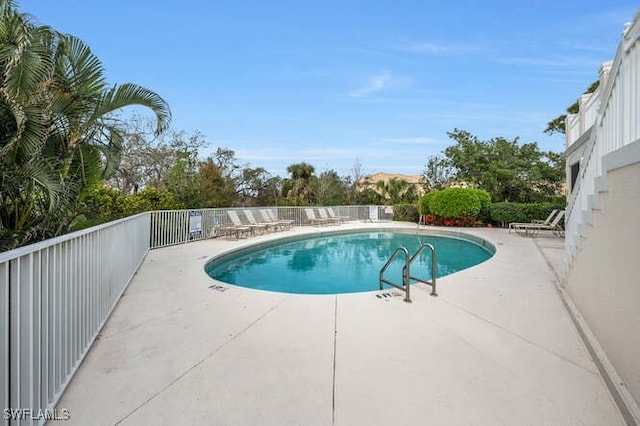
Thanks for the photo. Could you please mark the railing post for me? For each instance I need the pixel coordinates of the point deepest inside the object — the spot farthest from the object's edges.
(434, 272)
(407, 281)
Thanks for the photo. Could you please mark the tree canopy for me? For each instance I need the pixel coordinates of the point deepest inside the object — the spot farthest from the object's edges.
(506, 169)
(58, 133)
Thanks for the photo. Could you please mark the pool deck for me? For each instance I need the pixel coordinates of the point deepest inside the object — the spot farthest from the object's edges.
(497, 347)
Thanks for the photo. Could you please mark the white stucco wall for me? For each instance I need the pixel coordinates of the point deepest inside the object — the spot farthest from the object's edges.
(604, 280)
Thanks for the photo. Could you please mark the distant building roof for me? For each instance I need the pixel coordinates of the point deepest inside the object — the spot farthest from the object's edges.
(371, 181)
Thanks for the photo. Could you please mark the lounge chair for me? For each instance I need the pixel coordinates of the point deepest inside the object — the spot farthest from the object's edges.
(263, 226)
(238, 223)
(532, 229)
(274, 216)
(332, 214)
(239, 231)
(547, 221)
(269, 216)
(275, 224)
(311, 216)
(324, 216)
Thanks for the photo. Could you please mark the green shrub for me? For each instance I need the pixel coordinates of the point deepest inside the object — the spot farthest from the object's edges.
(405, 213)
(506, 212)
(101, 203)
(455, 203)
(485, 204)
(423, 203)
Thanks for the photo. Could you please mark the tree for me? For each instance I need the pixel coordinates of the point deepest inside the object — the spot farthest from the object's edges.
(437, 173)
(270, 192)
(558, 124)
(353, 183)
(331, 189)
(250, 183)
(226, 163)
(147, 158)
(397, 191)
(59, 134)
(102, 203)
(183, 181)
(504, 168)
(216, 191)
(241, 184)
(299, 189)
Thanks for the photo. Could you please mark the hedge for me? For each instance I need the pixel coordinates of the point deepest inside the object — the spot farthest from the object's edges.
(485, 204)
(405, 213)
(423, 203)
(455, 203)
(507, 212)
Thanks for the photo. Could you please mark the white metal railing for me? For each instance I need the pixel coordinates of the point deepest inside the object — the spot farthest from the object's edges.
(589, 109)
(56, 295)
(578, 124)
(54, 298)
(617, 124)
(574, 129)
(169, 227)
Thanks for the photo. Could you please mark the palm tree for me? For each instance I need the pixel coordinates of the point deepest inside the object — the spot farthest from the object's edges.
(301, 191)
(57, 131)
(393, 190)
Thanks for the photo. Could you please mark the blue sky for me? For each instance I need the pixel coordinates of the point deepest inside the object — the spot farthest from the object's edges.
(333, 83)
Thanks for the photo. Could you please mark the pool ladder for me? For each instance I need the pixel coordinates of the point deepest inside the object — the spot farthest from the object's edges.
(406, 271)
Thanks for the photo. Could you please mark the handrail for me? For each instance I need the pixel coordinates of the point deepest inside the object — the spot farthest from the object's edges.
(405, 274)
(434, 268)
(612, 129)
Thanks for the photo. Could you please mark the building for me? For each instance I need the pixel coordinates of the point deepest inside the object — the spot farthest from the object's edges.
(601, 277)
(371, 181)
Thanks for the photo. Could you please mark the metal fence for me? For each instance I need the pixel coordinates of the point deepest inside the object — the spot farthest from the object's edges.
(169, 227)
(56, 295)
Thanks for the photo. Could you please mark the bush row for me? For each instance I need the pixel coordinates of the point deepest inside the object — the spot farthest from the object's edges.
(101, 203)
(506, 212)
(406, 213)
(473, 207)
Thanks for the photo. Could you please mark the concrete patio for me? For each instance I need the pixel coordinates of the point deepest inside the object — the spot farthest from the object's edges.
(496, 347)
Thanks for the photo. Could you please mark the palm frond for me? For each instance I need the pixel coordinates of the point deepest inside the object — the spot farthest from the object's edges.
(25, 60)
(31, 129)
(111, 151)
(131, 94)
(78, 69)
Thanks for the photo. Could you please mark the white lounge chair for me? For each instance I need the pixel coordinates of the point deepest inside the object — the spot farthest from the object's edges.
(238, 223)
(239, 230)
(263, 226)
(547, 221)
(311, 216)
(283, 223)
(324, 216)
(332, 214)
(532, 229)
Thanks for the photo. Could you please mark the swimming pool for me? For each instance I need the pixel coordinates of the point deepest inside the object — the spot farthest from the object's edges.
(342, 263)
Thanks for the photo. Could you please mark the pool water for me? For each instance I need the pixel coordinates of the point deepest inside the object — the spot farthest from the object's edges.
(342, 263)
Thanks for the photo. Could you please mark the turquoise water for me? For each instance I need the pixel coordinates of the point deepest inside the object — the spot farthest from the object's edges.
(342, 263)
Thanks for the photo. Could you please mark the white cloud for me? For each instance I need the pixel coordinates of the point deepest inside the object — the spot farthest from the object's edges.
(375, 84)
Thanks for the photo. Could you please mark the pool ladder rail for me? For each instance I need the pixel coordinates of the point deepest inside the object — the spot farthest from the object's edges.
(406, 271)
